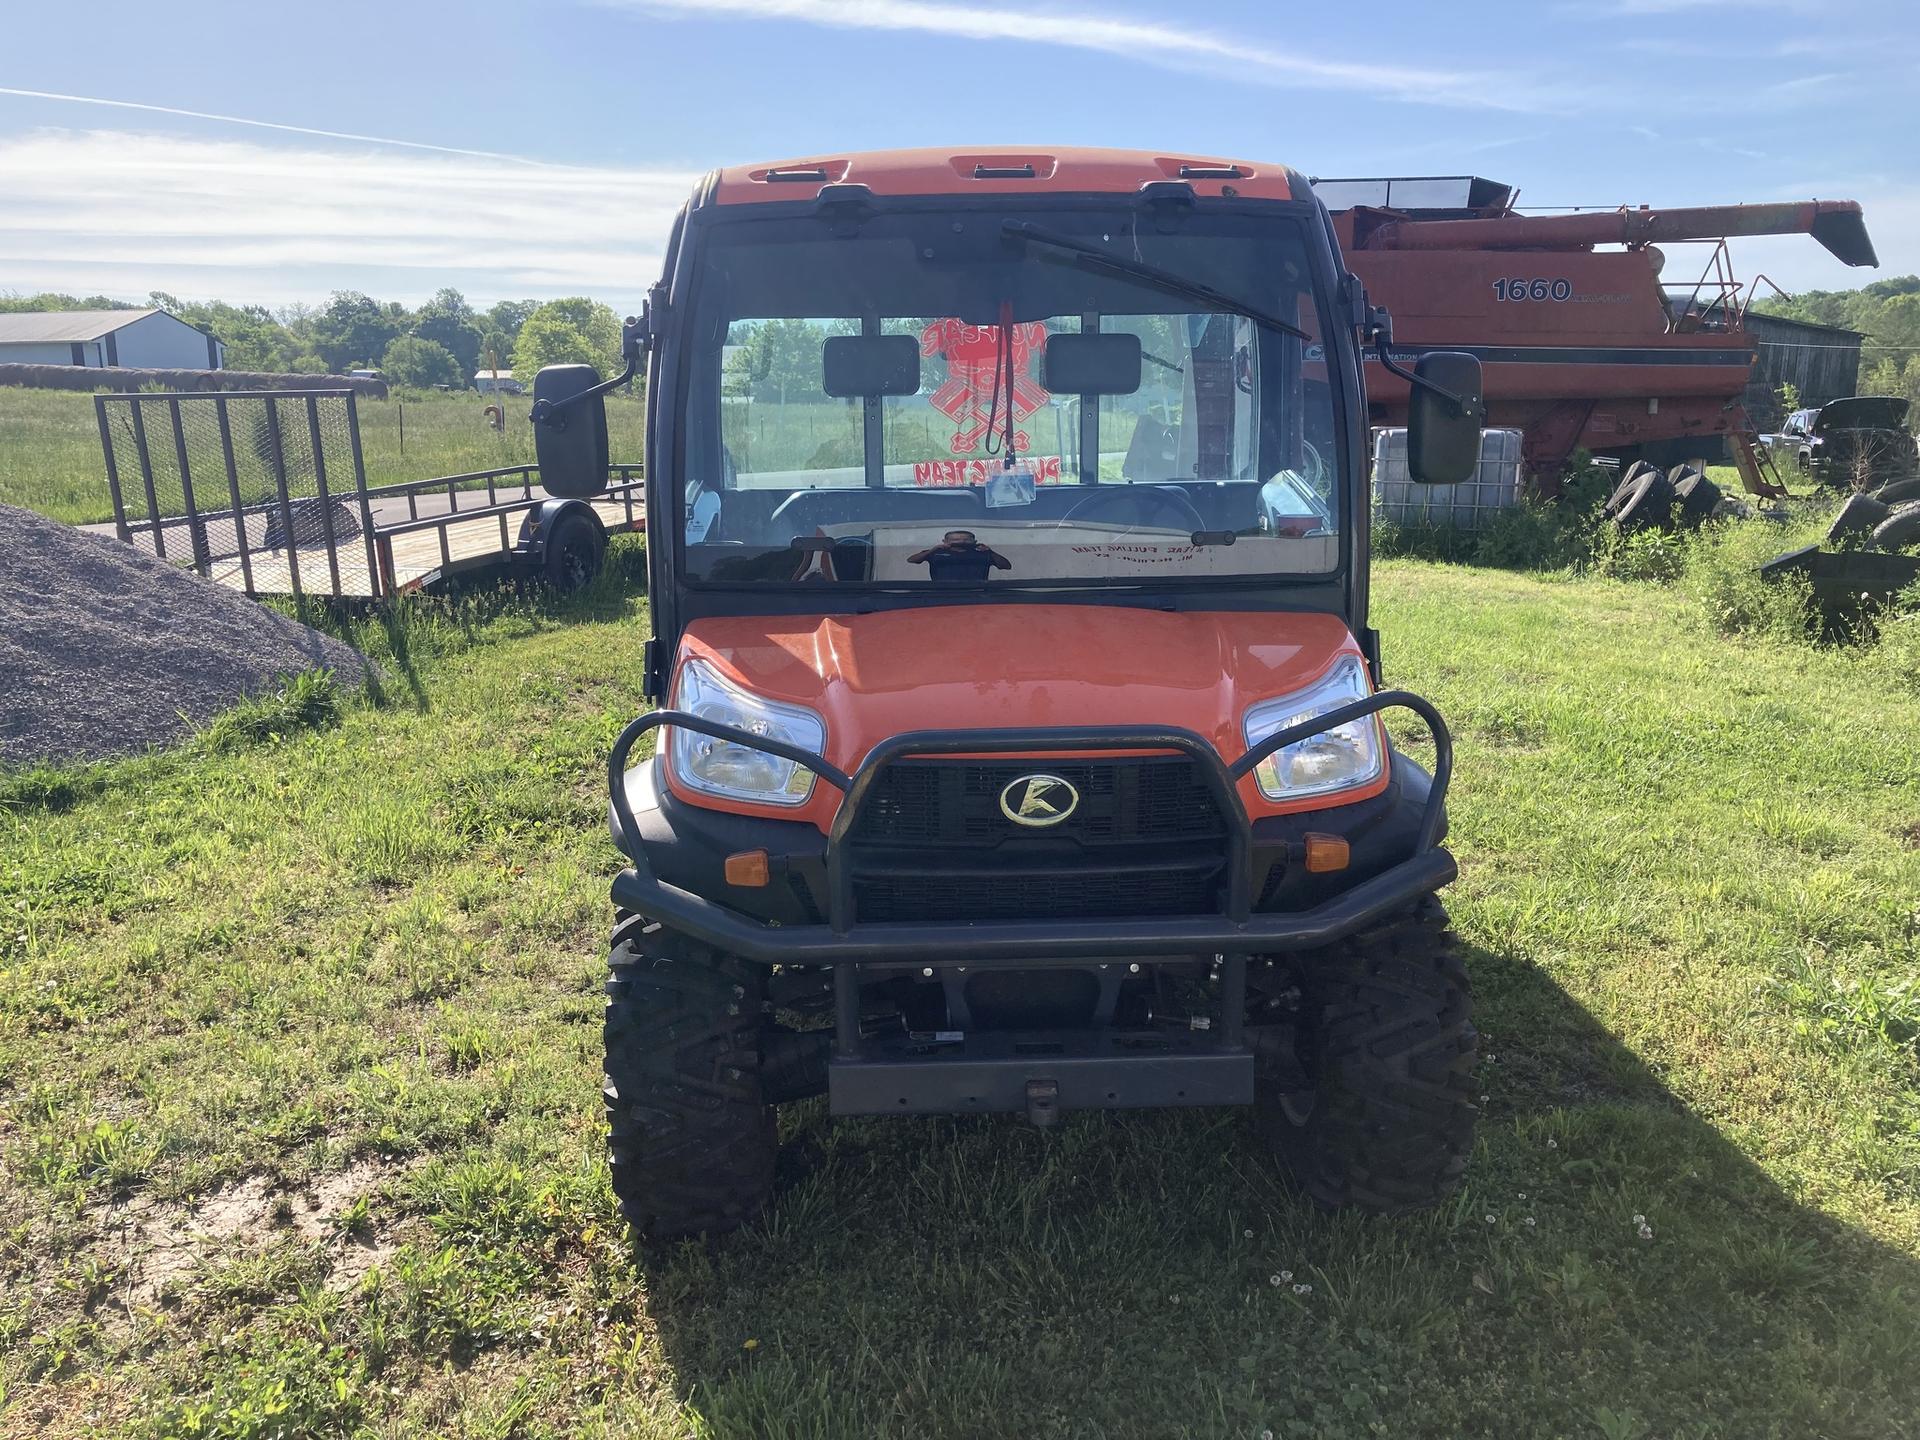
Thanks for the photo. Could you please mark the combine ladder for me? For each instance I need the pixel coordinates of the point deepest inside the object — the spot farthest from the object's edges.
(1756, 467)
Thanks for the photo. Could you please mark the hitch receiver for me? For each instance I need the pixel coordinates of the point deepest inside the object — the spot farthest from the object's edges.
(1043, 1103)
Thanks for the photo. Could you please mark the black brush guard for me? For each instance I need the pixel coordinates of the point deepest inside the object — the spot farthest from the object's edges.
(1041, 1073)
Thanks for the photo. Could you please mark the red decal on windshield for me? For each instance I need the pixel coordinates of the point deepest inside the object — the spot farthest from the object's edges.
(934, 474)
(967, 398)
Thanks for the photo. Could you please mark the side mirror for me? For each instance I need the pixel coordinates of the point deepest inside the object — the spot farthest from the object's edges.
(570, 441)
(1443, 437)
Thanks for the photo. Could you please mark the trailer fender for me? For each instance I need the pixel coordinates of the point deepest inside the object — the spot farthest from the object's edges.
(543, 520)
(563, 541)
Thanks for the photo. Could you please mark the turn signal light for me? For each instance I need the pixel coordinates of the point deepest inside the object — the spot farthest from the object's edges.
(749, 868)
(1324, 853)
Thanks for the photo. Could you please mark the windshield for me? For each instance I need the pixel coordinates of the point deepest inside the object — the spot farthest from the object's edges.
(903, 406)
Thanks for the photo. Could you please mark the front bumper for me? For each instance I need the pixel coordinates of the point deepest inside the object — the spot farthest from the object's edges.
(979, 1071)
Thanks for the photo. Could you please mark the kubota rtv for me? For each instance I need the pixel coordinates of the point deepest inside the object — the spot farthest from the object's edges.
(1020, 742)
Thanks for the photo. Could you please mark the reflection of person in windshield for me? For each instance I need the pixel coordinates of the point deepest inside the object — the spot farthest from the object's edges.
(959, 559)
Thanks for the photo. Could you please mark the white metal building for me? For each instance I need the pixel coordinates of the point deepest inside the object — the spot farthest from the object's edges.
(147, 339)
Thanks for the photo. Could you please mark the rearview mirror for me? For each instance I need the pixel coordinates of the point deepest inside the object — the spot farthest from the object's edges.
(1091, 364)
(571, 442)
(1443, 439)
(857, 367)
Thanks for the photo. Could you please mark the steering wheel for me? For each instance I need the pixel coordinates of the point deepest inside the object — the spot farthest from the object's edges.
(1158, 501)
(1314, 468)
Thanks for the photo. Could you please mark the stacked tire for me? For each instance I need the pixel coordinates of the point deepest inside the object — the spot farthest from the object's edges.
(1646, 499)
(1899, 524)
(1699, 497)
(1648, 504)
(1900, 529)
(1629, 478)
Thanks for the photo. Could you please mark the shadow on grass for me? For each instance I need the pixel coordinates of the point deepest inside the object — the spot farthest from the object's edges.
(407, 635)
(1138, 1273)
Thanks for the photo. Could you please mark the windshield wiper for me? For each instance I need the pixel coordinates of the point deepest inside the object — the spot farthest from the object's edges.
(1149, 274)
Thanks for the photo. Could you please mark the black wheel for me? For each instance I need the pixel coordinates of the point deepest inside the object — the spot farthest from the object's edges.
(1624, 490)
(1858, 516)
(1898, 492)
(1698, 496)
(692, 1138)
(574, 552)
(1900, 529)
(1383, 1115)
(1650, 506)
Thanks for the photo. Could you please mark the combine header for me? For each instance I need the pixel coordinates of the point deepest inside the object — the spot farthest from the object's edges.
(1583, 347)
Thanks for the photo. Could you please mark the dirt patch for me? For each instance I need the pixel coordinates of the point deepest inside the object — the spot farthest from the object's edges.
(1910, 835)
(155, 1243)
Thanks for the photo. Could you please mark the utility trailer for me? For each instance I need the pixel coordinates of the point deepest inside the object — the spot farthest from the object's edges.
(266, 492)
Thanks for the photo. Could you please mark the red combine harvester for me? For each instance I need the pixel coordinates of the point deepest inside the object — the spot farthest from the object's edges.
(1582, 347)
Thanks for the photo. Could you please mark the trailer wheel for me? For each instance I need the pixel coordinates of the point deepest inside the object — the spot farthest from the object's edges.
(691, 1138)
(1388, 1048)
(574, 552)
(1900, 529)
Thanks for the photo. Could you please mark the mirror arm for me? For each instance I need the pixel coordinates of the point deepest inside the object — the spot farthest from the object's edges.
(635, 334)
(1379, 329)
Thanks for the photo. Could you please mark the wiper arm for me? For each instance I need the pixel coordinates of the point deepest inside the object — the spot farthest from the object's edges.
(1149, 274)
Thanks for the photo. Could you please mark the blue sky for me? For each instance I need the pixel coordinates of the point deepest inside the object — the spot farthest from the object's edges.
(569, 130)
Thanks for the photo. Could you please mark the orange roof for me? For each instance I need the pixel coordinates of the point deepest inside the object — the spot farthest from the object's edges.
(1000, 172)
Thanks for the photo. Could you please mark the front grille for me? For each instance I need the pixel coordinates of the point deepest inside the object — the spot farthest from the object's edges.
(957, 802)
(1033, 895)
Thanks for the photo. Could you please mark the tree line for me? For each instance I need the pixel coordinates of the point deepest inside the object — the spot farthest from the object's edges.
(443, 342)
(1887, 312)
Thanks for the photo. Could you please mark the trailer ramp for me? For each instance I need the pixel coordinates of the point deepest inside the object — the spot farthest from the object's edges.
(266, 492)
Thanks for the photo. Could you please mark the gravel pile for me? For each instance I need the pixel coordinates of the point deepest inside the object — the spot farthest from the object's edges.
(108, 651)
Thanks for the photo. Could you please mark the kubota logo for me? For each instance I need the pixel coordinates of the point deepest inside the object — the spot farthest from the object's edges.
(1038, 800)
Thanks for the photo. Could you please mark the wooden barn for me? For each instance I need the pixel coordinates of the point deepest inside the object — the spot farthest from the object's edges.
(1821, 361)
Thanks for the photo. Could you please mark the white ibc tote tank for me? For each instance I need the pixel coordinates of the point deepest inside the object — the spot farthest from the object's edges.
(1470, 505)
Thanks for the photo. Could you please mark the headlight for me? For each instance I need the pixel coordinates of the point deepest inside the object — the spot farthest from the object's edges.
(1336, 759)
(720, 767)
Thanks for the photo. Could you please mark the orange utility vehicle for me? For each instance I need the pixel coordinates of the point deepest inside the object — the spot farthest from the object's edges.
(1021, 745)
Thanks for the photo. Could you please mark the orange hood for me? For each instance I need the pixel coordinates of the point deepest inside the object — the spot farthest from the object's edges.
(1003, 666)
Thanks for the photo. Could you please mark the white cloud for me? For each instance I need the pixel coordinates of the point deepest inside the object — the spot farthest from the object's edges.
(123, 214)
(257, 124)
(1180, 47)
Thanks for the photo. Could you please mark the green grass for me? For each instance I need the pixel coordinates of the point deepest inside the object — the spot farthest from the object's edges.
(332, 971)
(50, 458)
